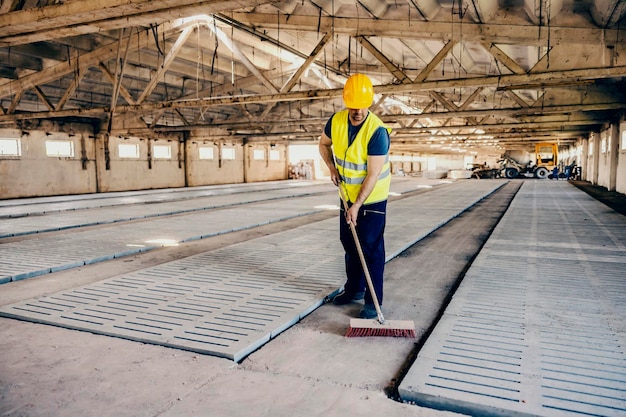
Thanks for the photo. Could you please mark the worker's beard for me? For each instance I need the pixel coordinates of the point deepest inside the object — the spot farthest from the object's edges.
(357, 118)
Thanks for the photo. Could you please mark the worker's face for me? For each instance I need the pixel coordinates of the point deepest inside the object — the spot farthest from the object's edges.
(357, 116)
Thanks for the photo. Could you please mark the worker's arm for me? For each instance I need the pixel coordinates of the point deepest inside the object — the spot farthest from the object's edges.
(326, 152)
(375, 165)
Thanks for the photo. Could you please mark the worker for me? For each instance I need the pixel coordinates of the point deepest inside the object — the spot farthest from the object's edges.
(355, 147)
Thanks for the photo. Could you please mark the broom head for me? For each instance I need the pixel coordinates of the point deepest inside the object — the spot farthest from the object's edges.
(388, 328)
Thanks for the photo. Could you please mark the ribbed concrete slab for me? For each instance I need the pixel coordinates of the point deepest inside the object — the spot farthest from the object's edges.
(44, 254)
(47, 214)
(536, 327)
(39, 218)
(226, 302)
(231, 301)
(38, 206)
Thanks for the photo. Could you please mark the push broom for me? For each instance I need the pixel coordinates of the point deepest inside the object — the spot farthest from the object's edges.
(378, 326)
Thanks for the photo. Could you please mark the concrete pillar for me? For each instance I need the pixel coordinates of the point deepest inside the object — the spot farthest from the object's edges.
(613, 155)
(595, 159)
(102, 154)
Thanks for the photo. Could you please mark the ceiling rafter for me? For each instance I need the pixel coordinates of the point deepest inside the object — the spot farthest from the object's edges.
(167, 61)
(89, 16)
(391, 67)
(443, 52)
(519, 100)
(545, 78)
(501, 127)
(43, 98)
(15, 101)
(122, 90)
(490, 68)
(531, 35)
(70, 90)
(499, 55)
(246, 62)
(81, 64)
(295, 76)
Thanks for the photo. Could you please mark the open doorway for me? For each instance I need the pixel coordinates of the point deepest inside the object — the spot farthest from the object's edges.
(305, 162)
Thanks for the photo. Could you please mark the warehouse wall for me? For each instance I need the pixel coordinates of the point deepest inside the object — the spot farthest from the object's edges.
(210, 162)
(34, 173)
(94, 163)
(607, 158)
(603, 159)
(143, 171)
(266, 162)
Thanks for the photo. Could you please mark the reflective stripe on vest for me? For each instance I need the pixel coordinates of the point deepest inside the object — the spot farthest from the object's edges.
(351, 161)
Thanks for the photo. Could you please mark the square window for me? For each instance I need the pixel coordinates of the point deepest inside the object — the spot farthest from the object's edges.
(10, 147)
(258, 155)
(274, 155)
(228, 152)
(205, 152)
(162, 151)
(128, 150)
(60, 148)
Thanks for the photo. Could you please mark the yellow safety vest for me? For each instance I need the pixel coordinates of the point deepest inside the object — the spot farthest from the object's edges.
(351, 161)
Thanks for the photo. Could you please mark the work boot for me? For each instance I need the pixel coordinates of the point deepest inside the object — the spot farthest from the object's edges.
(345, 298)
(368, 312)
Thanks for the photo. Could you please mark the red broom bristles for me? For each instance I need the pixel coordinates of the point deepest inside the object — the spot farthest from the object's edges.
(365, 332)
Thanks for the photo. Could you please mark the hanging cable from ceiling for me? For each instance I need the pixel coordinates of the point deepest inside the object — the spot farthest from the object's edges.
(349, 52)
(155, 33)
(214, 58)
(198, 60)
(280, 61)
(548, 7)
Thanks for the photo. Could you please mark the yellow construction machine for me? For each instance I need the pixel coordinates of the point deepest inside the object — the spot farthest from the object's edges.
(546, 157)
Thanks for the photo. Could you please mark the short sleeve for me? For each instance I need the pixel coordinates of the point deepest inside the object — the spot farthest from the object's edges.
(379, 144)
(328, 127)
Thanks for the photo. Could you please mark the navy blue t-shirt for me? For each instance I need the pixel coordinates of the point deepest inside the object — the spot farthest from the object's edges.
(378, 145)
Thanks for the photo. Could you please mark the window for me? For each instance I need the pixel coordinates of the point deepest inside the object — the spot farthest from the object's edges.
(624, 139)
(128, 150)
(162, 151)
(228, 152)
(10, 147)
(274, 155)
(603, 145)
(591, 147)
(258, 155)
(205, 152)
(60, 148)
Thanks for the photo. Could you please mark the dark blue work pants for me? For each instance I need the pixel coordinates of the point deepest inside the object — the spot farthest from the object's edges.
(370, 229)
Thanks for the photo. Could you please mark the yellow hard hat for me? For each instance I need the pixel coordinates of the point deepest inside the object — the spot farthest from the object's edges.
(358, 93)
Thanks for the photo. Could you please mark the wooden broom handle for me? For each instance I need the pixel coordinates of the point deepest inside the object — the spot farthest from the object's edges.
(366, 271)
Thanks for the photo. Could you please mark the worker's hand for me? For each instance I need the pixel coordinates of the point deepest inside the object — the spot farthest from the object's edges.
(352, 214)
(334, 176)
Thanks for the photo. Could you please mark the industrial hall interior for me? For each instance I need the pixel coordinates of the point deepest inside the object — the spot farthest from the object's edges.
(173, 214)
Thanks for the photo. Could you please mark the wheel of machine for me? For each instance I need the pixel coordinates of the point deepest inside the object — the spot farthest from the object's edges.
(541, 173)
(510, 173)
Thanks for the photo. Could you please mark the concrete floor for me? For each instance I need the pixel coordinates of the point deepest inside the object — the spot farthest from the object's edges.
(309, 370)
